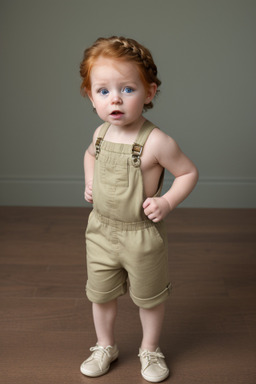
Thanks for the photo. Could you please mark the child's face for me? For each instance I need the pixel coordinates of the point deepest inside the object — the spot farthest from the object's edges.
(117, 91)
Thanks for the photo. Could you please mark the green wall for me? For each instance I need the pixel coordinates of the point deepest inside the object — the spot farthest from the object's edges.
(206, 57)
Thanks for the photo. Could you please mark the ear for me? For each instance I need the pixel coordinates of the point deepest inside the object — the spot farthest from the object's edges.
(150, 93)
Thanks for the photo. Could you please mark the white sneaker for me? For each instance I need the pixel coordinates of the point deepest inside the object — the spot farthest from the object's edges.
(99, 362)
(153, 366)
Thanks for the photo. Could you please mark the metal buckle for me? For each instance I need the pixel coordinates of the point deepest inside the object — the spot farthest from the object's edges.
(136, 152)
(97, 146)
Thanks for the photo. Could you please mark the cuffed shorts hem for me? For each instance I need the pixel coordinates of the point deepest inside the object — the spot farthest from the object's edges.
(152, 301)
(104, 297)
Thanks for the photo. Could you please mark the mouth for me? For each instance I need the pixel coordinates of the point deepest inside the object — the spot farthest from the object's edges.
(116, 113)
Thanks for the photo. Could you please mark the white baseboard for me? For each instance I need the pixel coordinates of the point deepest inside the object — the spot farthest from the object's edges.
(68, 191)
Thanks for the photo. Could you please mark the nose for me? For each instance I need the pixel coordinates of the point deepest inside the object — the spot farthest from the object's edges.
(116, 99)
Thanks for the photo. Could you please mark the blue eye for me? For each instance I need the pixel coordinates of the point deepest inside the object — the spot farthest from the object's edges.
(103, 91)
(128, 90)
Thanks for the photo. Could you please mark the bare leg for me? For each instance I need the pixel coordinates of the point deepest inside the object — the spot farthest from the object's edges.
(152, 321)
(104, 316)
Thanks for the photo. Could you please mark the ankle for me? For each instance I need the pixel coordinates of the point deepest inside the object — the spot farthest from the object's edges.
(149, 347)
(106, 343)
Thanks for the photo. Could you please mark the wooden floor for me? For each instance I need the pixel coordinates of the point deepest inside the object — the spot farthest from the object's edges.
(46, 328)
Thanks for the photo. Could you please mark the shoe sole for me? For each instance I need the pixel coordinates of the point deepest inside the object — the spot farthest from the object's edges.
(155, 380)
(97, 374)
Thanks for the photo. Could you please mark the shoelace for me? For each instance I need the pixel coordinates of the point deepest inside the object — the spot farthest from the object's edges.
(152, 357)
(99, 352)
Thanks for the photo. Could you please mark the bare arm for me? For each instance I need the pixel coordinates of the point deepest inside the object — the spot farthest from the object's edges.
(89, 160)
(168, 154)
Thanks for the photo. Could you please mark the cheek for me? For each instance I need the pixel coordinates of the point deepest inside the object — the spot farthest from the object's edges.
(100, 109)
(99, 104)
(137, 103)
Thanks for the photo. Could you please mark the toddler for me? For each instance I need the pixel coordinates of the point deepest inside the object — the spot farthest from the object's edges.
(124, 167)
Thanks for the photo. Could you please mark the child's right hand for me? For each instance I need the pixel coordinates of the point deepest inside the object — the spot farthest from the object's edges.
(88, 192)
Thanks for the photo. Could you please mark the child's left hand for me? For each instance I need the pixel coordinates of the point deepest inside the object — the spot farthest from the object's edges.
(156, 208)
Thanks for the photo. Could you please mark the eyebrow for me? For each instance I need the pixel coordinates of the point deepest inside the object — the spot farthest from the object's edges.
(105, 83)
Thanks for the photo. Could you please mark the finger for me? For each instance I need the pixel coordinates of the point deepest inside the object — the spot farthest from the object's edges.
(152, 216)
(148, 211)
(146, 203)
(88, 197)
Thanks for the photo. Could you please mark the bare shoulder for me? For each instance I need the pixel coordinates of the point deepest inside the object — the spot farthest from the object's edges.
(96, 133)
(91, 148)
(168, 154)
(159, 143)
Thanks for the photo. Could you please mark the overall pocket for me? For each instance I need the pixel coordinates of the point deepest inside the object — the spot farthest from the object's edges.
(114, 174)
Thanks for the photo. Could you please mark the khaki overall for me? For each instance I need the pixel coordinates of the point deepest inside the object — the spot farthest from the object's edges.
(121, 242)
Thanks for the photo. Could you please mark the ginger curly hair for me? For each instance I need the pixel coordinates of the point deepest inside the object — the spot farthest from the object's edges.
(119, 48)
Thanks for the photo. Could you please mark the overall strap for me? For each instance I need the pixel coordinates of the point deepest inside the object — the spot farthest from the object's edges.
(103, 130)
(102, 133)
(141, 139)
